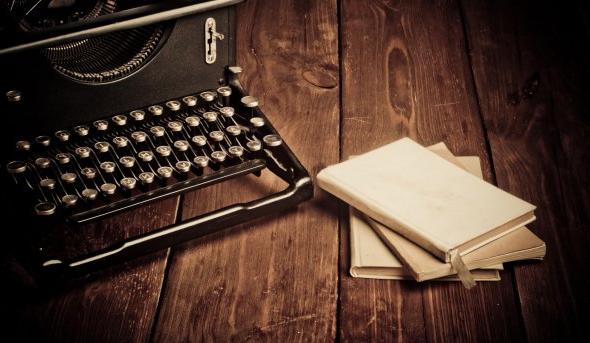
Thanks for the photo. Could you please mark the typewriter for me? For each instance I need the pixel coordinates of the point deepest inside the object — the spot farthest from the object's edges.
(112, 104)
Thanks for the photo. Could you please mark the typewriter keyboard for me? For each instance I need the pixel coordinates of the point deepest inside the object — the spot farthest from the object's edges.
(98, 168)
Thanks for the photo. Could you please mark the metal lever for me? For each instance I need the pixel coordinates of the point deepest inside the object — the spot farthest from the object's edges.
(211, 37)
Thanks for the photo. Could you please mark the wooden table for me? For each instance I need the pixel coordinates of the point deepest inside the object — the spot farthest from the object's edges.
(504, 81)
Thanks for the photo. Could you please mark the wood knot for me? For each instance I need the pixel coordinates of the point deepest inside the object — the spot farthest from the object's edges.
(320, 79)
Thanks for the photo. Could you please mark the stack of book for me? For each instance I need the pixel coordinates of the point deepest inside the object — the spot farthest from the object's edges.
(422, 213)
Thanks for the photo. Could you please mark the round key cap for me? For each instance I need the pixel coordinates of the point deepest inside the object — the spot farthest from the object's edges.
(89, 193)
(193, 121)
(101, 146)
(45, 208)
(207, 96)
(108, 188)
(190, 100)
(201, 161)
(145, 156)
(69, 200)
(23, 145)
(272, 140)
(224, 91)
(62, 135)
(69, 177)
(43, 140)
(181, 145)
(218, 156)
(183, 166)
(120, 120)
(16, 167)
(175, 126)
(120, 141)
(163, 150)
(157, 131)
(254, 145)
(165, 172)
(227, 112)
(63, 158)
(89, 173)
(156, 110)
(139, 136)
(82, 130)
(83, 151)
(127, 161)
(236, 151)
(249, 101)
(47, 183)
(233, 130)
(216, 136)
(128, 183)
(257, 121)
(173, 105)
(210, 116)
(199, 140)
(42, 162)
(146, 177)
(101, 125)
(108, 166)
(137, 115)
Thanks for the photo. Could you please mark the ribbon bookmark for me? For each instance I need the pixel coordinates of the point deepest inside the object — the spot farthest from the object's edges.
(462, 272)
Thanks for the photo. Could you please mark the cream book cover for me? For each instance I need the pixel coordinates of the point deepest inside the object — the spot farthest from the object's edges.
(426, 198)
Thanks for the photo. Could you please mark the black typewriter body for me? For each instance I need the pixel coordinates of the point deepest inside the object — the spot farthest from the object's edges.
(126, 108)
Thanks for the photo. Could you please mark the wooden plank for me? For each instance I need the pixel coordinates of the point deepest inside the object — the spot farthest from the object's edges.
(118, 304)
(405, 72)
(529, 69)
(275, 277)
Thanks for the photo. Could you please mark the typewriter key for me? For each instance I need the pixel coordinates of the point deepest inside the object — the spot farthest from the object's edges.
(207, 96)
(249, 101)
(139, 136)
(175, 126)
(257, 122)
(224, 94)
(108, 188)
(63, 158)
(218, 156)
(157, 131)
(227, 112)
(62, 135)
(42, 162)
(183, 166)
(190, 100)
(83, 151)
(69, 200)
(146, 177)
(89, 193)
(145, 156)
(210, 116)
(16, 167)
(81, 130)
(23, 145)
(128, 183)
(173, 105)
(68, 177)
(45, 208)
(108, 166)
(193, 121)
(120, 141)
(272, 140)
(236, 151)
(233, 130)
(254, 145)
(216, 136)
(101, 146)
(163, 150)
(127, 161)
(137, 115)
(101, 125)
(43, 140)
(201, 161)
(120, 120)
(165, 172)
(156, 110)
(47, 184)
(199, 140)
(181, 145)
(89, 173)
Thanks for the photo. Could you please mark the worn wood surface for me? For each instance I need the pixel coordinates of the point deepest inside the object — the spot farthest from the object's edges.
(507, 82)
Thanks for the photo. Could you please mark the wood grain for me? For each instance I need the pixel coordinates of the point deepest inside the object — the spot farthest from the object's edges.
(405, 72)
(536, 115)
(275, 278)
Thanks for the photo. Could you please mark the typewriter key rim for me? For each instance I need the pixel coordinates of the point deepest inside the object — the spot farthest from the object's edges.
(201, 161)
(89, 173)
(257, 121)
(218, 156)
(147, 177)
(224, 91)
(63, 158)
(89, 193)
(69, 200)
(164, 150)
(83, 151)
(236, 151)
(108, 188)
(45, 208)
(120, 141)
(183, 166)
(207, 96)
(157, 131)
(69, 177)
(181, 145)
(108, 166)
(43, 140)
(102, 146)
(42, 162)
(145, 155)
(254, 145)
(199, 140)
(173, 105)
(210, 116)
(82, 130)
(137, 115)
(156, 110)
(16, 167)
(23, 145)
(233, 130)
(139, 136)
(175, 126)
(190, 101)
(101, 125)
(216, 135)
(227, 111)
(249, 101)
(272, 140)
(62, 135)
(127, 161)
(120, 119)
(165, 171)
(48, 183)
(193, 121)
(128, 183)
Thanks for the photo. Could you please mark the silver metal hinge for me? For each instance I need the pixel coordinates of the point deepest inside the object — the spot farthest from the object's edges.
(211, 37)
